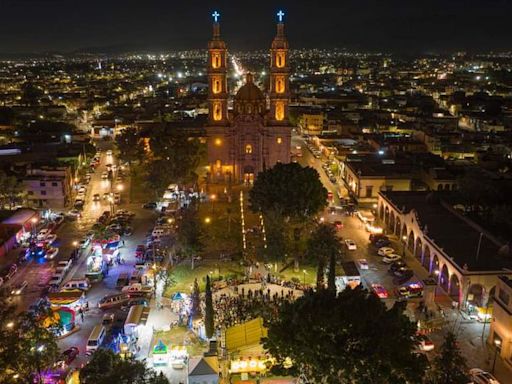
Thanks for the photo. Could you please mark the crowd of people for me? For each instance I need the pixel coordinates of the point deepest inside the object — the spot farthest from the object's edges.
(231, 310)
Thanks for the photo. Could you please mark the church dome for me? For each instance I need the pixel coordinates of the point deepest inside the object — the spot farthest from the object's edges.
(249, 100)
(249, 91)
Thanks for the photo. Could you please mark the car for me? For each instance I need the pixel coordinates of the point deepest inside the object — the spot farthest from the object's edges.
(385, 251)
(363, 263)
(74, 213)
(396, 265)
(388, 259)
(374, 237)
(382, 243)
(58, 219)
(135, 301)
(43, 233)
(125, 212)
(67, 357)
(64, 264)
(338, 224)
(82, 190)
(115, 228)
(150, 205)
(127, 231)
(426, 345)
(51, 253)
(104, 175)
(410, 290)
(106, 195)
(351, 245)
(137, 289)
(19, 288)
(84, 243)
(96, 197)
(479, 376)
(51, 238)
(404, 277)
(380, 291)
(9, 271)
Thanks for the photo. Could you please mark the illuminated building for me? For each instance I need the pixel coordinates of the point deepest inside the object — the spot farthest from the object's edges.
(250, 138)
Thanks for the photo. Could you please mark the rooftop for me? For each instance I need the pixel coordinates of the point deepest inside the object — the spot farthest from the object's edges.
(450, 231)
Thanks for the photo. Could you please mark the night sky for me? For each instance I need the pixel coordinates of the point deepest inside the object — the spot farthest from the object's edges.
(412, 26)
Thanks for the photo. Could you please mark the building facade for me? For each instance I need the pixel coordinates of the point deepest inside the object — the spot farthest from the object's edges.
(251, 137)
(501, 324)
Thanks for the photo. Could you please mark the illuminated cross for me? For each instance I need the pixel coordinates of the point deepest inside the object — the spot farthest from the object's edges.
(216, 16)
(280, 15)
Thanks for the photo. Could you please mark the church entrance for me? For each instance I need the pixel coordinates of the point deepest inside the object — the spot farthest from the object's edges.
(248, 175)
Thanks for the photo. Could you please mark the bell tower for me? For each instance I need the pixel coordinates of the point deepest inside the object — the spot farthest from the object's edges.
(217, 81)
(279, 76)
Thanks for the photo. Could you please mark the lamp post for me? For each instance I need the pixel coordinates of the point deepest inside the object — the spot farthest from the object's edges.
(404, 238)
(497, 344)
(212, 198)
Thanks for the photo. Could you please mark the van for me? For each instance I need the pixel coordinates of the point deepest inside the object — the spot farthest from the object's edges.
(82, 284)
(111, 301)
(96, 338)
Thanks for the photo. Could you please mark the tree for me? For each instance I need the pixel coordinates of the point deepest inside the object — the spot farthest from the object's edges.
(349, 338)
(27, 347)
(331, 277)
(11, 190)
(449, 366)
(190, 232)
(291, 190)
(106, 367)
(129, 145)
(322, 244)
(196, 300)
(208, 311)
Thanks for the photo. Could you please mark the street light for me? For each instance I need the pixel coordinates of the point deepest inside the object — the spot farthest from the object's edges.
(213, 197)
(497, 344)
(10, 324)
(120, 187)
(75, 243)
(207, 220)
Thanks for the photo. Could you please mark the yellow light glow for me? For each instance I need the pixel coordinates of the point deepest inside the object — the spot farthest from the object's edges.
(279, 140)
(218, 142)
(207, 220)
(279, 114)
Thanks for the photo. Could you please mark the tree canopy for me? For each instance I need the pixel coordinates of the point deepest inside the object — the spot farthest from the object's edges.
(290, 190)
(348, 338)
(208, 310)
(449, 366)
(321, 246)
(130, 145)
(106, 367)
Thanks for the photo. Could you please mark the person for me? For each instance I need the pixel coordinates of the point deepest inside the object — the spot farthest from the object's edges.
(81, 313)
(87, 305)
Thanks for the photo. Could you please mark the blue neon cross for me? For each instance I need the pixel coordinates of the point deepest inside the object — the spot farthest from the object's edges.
(280, 15)
(216, 16)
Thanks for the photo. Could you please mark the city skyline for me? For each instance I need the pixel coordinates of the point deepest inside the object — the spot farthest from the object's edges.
(393, 26)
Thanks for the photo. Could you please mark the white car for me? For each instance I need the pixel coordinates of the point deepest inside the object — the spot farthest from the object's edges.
(64, 264)
(351, 245)
(43, 234)
(51, 253)
(479, 376)
(137, 288)
(51, 238)
(363, 263)
(426, 345)
(391, 258)
(384, 251)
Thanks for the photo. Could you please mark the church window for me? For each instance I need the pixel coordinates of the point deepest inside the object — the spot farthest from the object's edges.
(279, 113)
(215, 60)
(218, 164)
(279, 140)
(217, 112)
(248, 149)
(216, 86)
(279, 85)
(280, 62)
(249, 108)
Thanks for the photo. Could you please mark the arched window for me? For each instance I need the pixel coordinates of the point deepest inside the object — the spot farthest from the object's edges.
(248, 149)
(217, 112)
(279, 114)
(279, 85)
(280, 59)
(216, 86)
(216, 60)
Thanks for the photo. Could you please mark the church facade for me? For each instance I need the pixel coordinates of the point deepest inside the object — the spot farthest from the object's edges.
(255, 134)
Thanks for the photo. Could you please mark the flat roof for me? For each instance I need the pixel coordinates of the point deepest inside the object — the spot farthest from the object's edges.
(455, 234)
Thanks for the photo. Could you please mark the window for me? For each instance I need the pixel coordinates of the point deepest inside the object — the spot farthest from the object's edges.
(30, 193)
(54, 184)
(43, 193)
(218, 164)
(280, 60)
(279, 114)
(279, 140)
(42, 184)
(217, 111)
(248, 149)
(279, 85)
(216, 86)
(369, 190)
(216, 60)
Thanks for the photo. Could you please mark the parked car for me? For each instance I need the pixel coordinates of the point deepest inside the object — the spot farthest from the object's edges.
(104, 176)
(426, 345)
(380, 291)
(96, 197)
(19, 288)
(67, 357)
(376, 237)
(388, 259)
(84, 243)
(151, 205)
(137, 289)
(74, 213)
(363, 263)
(382, 243)
(338, 224)
(51, 253)
(8, 272)
(479, 376)
(43, 233)
(396, 265)
(51, 238)
(385, 251)
(410, 290)
(351, 245)
(135, 301)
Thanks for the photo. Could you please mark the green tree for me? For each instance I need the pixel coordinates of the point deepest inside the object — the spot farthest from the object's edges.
(331, 277)
(11, 190)
(208, 311)
(290, 190)
(349, 338)
(322, 244)
(449, 366)
(190, 232)
(129, 144)
(27, 347)
(106, 367)
(196, 300)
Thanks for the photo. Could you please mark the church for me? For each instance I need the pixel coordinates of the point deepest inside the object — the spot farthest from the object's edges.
(256, 133)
